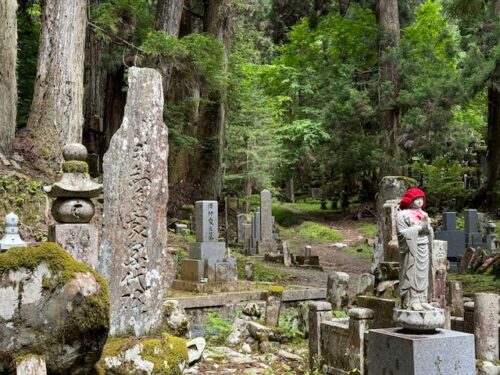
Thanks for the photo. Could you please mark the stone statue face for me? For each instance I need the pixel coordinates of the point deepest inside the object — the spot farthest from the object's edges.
(417, 203)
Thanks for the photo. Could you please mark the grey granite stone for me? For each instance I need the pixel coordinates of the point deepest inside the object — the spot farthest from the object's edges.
(447, 352)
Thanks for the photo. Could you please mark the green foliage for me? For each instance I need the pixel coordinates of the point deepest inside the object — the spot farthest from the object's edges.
(288, 322)
(340, 314)
(441, 180)
(368, 229)
(314, 232)
(24, 196)
(217, 328)
(476, 283)
(284, 216)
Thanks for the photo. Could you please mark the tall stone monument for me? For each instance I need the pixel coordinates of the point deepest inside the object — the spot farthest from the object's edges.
(207, 256)
(73, 208)
(266, 243)
(133, 254)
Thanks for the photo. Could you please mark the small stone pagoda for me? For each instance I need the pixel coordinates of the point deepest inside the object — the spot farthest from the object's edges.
(73, 208)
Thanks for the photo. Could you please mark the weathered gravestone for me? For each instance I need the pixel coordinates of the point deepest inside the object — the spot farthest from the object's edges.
(266, 243)
(242, 220)
(207, 256)
(134, 256)
(391, 188)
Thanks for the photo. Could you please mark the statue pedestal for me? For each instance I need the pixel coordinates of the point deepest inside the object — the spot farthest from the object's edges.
(80, 240)
(390, 351)
(419, 321)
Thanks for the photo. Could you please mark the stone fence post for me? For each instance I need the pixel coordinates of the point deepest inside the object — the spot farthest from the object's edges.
(360, 322)
(486, 310)
(469, 317)
(319, 312)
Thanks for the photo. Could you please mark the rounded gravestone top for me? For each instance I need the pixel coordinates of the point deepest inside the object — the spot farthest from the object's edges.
(74, 151)
(11, 219)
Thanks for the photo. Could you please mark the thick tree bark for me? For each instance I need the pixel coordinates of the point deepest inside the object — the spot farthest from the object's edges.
(168, 19)
(388, 22)
(214, 116)
(56, 116)
(94, 91)
(8, 83)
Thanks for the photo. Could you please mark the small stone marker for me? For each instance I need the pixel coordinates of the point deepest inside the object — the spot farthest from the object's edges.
(247, 237)
(11, 237)
(486, 311)
(249, 271)
(307, 251)
(266, 242)
(31, 365)
(180, 228)
(366, 284)
(337, 292)
(473, 237)
(287, 257)
(437, 285)
(134, 256)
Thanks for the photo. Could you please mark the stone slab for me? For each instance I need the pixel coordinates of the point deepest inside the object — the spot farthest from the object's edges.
(80, 240)
(447, 352)
(133, 255)
(192, 269)
(382, 307)
(226, 270)
(211, 287)
(207, 221)
(456, 242)
(303, 260)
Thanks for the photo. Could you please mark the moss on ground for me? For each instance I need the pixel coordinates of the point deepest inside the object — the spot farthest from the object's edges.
(314, 232)
(362, 250)
(276, 290)
(262, 271)
(476, 283)
(368, 229)
(165, 353)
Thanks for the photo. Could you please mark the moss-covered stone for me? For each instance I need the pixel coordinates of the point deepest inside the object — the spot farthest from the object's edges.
(68, 314)
(276, 290)
(165, 355)
(75, 166)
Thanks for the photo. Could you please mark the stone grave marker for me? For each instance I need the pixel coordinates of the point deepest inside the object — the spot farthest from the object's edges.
(473, 237)
(266, 243)
(207, 256)
(450, 233)
(133, 254)
(242, 220)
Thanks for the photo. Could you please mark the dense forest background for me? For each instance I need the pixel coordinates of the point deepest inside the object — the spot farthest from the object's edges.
(286, 94)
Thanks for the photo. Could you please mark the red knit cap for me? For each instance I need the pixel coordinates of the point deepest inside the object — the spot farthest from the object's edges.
(410, 195)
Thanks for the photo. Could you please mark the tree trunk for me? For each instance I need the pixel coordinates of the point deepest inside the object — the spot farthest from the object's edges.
(56, 116)
(168, 19)
(214, 116)
(94, 92)
(8, 84)
(388, 22)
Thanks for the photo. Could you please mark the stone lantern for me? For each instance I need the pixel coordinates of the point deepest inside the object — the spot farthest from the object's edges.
(73, 208)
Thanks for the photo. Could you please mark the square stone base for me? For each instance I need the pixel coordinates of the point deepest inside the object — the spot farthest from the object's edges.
(447, 352)
(80, 240)
(192, 269)
(265, 247)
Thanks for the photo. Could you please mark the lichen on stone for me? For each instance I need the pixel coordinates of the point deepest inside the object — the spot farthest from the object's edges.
(75, 166)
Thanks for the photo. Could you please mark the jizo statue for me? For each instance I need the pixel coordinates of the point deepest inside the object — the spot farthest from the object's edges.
(415, 237)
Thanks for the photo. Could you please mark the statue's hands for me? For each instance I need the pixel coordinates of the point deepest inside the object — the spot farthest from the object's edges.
(424, 226)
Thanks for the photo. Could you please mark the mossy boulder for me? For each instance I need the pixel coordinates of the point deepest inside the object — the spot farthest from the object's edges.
(165, 355)
(52, 306)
